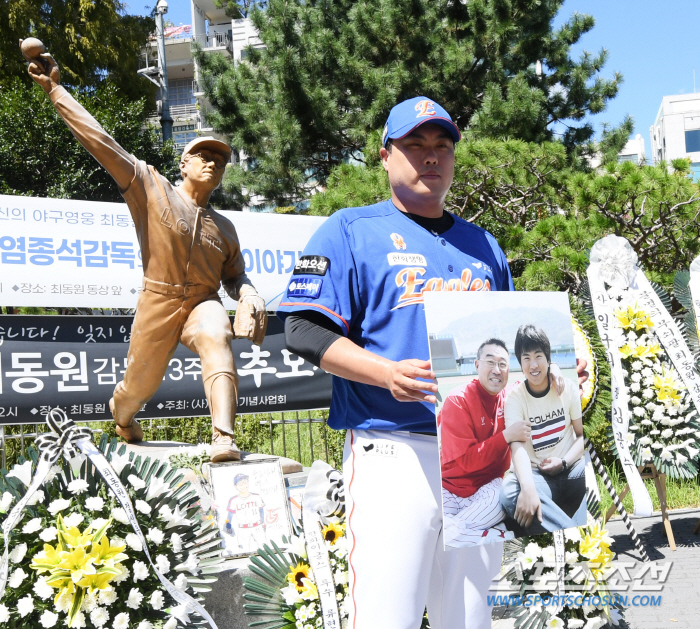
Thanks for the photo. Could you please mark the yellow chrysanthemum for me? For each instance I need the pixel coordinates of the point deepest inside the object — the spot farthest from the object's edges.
(333, 532)
(297, 574)
(633, 318)
(80, 562)
(667, 387)
(595, 547)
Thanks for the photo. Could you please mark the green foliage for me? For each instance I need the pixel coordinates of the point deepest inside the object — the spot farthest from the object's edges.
(596, 417)
(331, 71)
(237, 9)
(351, 186)
(40, 157)
(88, 39)
(546, 214)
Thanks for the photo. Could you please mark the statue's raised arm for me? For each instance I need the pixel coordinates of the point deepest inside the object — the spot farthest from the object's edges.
(45, 71)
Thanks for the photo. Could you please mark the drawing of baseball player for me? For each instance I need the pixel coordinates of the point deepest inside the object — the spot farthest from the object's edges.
(245, 520)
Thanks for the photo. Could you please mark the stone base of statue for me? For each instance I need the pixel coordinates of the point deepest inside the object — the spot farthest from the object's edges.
(225, 601)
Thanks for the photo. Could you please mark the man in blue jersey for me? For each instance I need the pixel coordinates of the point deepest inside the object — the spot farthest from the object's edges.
(354, 306)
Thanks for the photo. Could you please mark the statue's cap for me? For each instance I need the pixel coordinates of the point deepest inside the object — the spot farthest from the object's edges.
(208, 142)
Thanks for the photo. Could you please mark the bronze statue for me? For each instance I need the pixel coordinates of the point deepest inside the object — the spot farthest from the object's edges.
(188, 251)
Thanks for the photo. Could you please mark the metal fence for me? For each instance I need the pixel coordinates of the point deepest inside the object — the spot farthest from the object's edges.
(299, 435)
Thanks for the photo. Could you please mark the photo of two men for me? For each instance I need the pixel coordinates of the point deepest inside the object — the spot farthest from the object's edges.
(509, 415)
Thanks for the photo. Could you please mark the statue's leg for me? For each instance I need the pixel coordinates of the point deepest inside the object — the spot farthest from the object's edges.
(208, 333)
(154, 338)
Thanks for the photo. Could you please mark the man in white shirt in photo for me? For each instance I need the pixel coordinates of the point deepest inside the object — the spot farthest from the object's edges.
(547, 490)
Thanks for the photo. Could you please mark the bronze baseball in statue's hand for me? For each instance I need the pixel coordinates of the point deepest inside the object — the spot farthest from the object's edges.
(42, 67)
(31, 48)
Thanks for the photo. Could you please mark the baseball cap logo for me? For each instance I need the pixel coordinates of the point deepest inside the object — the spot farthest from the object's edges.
(425, 108)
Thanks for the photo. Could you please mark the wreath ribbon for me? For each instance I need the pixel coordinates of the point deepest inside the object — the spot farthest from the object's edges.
(67, 438)
(320, 498)
(610, 262)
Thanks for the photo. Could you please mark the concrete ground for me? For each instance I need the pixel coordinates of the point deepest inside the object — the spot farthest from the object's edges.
(679, 606)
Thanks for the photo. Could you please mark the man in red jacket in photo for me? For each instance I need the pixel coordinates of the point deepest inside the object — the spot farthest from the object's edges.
(475, 452)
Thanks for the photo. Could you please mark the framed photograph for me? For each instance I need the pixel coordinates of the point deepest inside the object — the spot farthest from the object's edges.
(250, 500)
(510, 427)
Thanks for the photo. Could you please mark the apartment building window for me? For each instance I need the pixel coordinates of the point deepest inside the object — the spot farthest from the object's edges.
(180, 92)
(692, 141)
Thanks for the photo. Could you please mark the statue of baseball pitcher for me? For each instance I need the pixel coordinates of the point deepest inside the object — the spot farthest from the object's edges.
(188, 251)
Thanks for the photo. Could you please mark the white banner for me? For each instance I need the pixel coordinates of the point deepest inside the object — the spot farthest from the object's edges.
(58, 253)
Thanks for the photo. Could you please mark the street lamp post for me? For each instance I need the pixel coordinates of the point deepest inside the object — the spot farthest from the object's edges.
(166, 121)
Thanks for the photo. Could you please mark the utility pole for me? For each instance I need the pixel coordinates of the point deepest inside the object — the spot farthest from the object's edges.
(166, 121)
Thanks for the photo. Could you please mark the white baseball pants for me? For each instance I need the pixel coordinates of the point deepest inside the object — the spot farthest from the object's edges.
(397, 560)
(467, 520)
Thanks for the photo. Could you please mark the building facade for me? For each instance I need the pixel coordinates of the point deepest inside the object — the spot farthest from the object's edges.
(214, 32)
(676, 131)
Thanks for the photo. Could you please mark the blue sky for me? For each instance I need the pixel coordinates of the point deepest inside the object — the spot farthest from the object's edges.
(655, 44)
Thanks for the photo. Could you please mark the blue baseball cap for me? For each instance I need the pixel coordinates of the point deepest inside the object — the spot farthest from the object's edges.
(239, 478)
(411, 113)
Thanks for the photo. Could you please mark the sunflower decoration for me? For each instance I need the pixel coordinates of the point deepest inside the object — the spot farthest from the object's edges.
(333, 532)
(284, 589)
(297, 574)
(584, 350)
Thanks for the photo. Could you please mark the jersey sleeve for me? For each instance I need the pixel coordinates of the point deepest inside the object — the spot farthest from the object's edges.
(325, 279)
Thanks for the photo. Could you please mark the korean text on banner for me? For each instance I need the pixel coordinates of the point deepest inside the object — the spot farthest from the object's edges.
(57, 253)
(74, 362)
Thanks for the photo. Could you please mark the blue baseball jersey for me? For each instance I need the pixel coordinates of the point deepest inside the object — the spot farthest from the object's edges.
(367, 269)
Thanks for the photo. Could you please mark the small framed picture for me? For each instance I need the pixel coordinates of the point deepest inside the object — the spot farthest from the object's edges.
(252, 509)
(510, 426)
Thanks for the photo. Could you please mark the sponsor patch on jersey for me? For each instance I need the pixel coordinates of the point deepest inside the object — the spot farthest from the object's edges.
(406, 259)
(398, 241)
(379, 448)
(304, 287)
(312, 265)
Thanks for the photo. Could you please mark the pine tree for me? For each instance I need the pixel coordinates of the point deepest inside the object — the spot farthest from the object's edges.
(331, 70)
(40, 157)
(88, 39)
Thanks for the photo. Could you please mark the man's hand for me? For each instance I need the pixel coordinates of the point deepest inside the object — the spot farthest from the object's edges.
(527, 507)
(582, 373)
(400, 379)
(556, 380)
(518, 431)
(44, 70)
(551, 466)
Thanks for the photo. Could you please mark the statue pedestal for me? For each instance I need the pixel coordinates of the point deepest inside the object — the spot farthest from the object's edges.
(225, 601)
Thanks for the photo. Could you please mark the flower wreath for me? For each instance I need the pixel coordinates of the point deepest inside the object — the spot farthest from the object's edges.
(76, 561)
(664, 425)
(530, 568)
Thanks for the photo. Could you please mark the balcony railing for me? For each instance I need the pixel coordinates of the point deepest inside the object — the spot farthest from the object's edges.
(214, 40)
